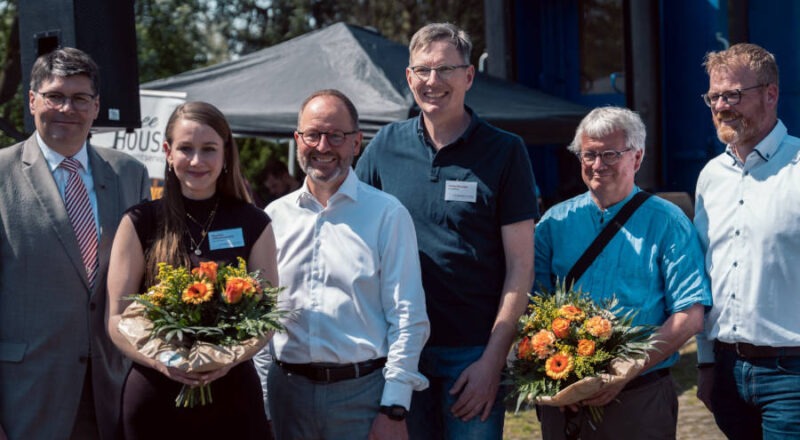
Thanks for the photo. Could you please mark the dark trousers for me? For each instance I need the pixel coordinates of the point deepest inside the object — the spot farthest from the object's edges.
(85, 427)
(647, 412)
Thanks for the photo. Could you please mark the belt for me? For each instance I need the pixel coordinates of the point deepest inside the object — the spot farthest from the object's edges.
(329, 373)
(646, 379)
(750, 351)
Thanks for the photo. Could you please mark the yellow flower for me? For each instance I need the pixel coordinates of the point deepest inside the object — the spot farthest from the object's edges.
(561, 327)
(197, 292)
(207, 269)
(543, 343)
(235, 287)
(559, 366)
(598, 327)
(571, 312)
(156, 296)
(585, 347)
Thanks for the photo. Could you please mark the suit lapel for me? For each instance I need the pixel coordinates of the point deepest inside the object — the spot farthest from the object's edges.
(40, 182)
(106, 186)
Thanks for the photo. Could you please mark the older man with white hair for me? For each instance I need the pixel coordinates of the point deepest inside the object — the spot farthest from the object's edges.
(653, 264)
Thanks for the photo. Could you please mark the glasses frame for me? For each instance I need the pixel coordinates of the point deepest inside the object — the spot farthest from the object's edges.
(730, 97)
(48, 97)
(603, 155)
(444, 71)
(327, 135)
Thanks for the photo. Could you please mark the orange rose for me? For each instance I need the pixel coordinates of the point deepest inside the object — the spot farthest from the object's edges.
(585, 347)
(207, 269)
(197, 293)
(525, 348)
(571, 312)
(235, 287)
(561, 327)
(598, 327)
(559, 366)
(543, 343)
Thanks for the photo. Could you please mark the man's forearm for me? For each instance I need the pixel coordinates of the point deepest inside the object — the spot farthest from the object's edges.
(675, 331)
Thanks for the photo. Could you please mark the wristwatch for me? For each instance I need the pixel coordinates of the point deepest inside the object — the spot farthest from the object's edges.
(394, 412)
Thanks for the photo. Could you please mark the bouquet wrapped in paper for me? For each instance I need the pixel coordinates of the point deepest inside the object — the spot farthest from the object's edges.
(202, 320)
(569, 347)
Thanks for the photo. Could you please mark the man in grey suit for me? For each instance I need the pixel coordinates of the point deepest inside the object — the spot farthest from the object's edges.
(60, 375)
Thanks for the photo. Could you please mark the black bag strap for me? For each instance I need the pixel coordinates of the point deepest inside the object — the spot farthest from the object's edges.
(604, 237)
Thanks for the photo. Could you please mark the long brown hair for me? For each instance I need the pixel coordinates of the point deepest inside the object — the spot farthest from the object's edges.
(168, 245)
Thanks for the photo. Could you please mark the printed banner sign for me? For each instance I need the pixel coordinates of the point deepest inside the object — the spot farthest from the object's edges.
(145, 143)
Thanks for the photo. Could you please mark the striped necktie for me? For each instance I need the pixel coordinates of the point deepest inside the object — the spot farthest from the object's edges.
(79, 209)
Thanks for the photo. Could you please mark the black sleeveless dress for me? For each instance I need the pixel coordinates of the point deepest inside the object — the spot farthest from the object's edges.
(148, 397)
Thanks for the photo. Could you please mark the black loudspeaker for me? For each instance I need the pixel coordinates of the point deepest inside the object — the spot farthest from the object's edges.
(106, 30)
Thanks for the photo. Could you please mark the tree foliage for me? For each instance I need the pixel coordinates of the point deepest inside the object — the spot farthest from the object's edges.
(11, 101)
(175, 36)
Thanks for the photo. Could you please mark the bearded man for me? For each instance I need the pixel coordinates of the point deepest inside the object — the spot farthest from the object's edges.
(748, 203)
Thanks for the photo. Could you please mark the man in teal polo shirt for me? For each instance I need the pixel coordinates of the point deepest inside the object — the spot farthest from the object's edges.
(653, 265)
(470, 191)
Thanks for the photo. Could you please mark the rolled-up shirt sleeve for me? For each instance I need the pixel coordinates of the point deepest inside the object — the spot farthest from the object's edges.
(403, 301)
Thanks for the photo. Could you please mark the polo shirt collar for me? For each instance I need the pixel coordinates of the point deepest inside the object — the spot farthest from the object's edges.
(473, 125)
(767, 148)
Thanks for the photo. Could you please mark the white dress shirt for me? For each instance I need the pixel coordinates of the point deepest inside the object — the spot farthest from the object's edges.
(748, 218)
(353, 284)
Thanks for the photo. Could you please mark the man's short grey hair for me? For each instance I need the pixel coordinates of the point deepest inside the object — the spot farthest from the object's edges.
(441, 32)
(64, 62)
(603, 121)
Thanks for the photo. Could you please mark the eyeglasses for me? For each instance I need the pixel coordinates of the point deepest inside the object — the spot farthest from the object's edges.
(80, 101)
(443, 72)
(730, 97)
(335, 137)
(608, 157)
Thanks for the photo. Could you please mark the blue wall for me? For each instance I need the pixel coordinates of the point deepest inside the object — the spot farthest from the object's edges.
(547, 58)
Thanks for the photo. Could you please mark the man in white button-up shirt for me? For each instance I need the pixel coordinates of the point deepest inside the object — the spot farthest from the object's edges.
(347, 253)
(748, 218)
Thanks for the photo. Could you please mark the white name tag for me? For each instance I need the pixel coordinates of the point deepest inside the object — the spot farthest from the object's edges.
(456, 191)
(225, 239)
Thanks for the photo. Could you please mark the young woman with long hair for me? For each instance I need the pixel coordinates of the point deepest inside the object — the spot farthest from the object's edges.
(204, 192)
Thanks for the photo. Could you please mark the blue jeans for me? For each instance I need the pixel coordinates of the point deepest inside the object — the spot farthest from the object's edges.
(757, 398)
(430, 416)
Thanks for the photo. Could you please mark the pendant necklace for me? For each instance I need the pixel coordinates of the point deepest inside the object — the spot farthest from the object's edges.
(203, 229)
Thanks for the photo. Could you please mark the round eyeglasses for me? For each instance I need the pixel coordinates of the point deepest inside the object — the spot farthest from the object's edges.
(443, 72)
(608, 157)
(80, 101)
(730, 97)
(336, 138)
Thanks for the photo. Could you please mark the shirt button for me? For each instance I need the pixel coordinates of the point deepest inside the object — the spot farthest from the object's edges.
(737, 232)
(734, 328)
(735, 264)
(741, 202)
(747, 173)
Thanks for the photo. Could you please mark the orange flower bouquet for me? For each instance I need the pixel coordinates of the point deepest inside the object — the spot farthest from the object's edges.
(569, 347)
(202, 320)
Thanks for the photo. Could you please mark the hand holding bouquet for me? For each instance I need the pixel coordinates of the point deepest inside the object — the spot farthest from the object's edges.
(569, 347)
(202, 320)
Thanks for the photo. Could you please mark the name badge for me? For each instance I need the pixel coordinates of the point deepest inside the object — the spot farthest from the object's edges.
(225, 239)
(456, 191)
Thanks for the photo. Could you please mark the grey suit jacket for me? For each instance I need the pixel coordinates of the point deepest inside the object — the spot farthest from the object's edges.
(50, 319)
